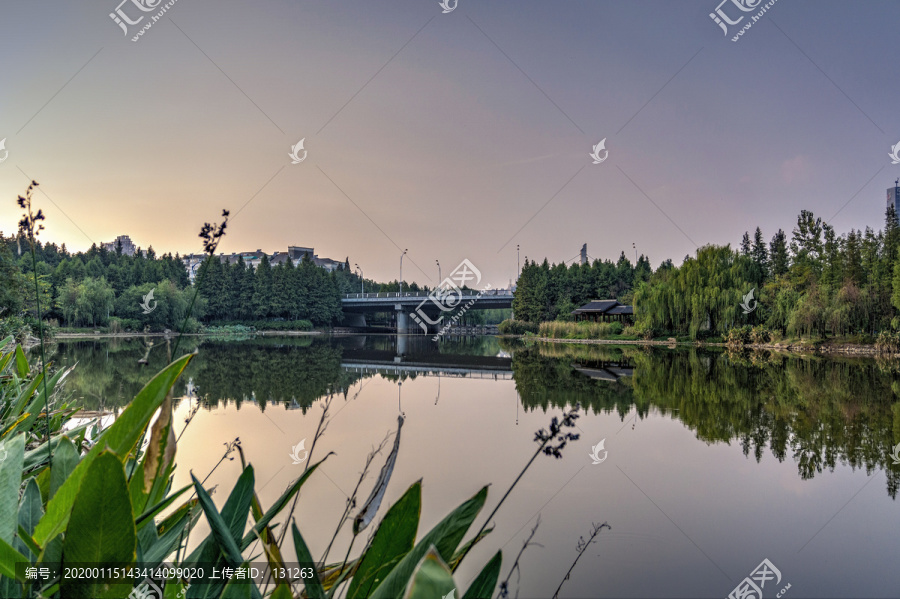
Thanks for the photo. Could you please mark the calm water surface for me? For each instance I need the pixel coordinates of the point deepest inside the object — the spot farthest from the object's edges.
(713, 462)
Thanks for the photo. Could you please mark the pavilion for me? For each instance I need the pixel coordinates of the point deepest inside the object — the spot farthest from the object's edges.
(604, 311)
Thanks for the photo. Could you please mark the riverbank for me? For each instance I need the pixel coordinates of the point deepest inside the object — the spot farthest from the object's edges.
(814, 347)
(171, 334)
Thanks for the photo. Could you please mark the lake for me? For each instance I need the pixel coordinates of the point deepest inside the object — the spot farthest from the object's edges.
(711, 462)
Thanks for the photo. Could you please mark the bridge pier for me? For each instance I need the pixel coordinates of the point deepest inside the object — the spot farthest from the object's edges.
(402, 320)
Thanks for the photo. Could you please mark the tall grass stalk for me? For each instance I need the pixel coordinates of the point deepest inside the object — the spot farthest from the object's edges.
(544, 438)
(30, 225)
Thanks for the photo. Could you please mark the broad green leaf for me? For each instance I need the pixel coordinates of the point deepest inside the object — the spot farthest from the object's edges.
(314, 588)
(37, 457)
(483, 585)
(237, 506)
(21, 362)
(136, 488)
(30, 510)
(64, 461)
(431, 579)
(120, 438)
(12, 454)
(9, 557)
(234, 515)
(25, 541)
(220, 530)
(445, 536)
(395, 537)
(101, 528)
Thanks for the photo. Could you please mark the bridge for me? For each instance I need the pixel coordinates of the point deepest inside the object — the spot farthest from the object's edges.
(420, 311)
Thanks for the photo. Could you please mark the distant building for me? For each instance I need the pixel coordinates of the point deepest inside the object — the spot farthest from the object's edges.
(128, 247)
(893, 197)
(295, 255)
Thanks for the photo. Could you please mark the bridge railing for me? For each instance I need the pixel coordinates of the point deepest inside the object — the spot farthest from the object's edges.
(423, 294)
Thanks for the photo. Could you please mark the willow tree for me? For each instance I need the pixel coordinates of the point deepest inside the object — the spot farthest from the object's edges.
(705, 292)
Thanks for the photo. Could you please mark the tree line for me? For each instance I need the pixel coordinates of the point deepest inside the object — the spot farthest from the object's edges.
(814, 282)
(98, 287)
(550, 292)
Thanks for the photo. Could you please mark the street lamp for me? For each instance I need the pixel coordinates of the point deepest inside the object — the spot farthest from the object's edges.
(401, 270)
(635, 254)
(438, 262)
(518, 268)
(361, 279)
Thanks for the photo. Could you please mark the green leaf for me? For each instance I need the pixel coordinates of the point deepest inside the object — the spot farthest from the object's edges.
(30, 509)
(314, 588)
(445, 536)
(64, 461)
(236, 589)
(12, 454)
(483, 585)
(21, 362)
(431, 579)
(237, 506)
(101, 528)
(279, 505)
(38, 403)
(120, 438)
(9, 557)
(220, 530)
(395, 537)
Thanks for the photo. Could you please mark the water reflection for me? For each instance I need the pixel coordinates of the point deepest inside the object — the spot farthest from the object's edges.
(817, 412)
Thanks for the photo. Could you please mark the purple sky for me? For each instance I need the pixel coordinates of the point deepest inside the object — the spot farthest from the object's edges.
(447, 133)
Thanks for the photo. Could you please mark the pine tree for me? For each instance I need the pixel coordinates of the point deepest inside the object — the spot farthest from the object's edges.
(778, 254)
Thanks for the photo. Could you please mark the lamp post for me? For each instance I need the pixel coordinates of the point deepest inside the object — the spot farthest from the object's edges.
(361, 288)
(635, 254)
(401, 270)
(518, 268)
(438, 262)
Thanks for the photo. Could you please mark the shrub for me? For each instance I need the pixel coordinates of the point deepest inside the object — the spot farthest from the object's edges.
(581, 330)
(760, 334)
(888, 342)
(517, 327)
(738, 336)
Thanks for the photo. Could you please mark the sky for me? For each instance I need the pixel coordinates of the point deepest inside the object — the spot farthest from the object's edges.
(457, 135)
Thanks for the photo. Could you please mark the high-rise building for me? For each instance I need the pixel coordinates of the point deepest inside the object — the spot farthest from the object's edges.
(128, 247)
(893, 197)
